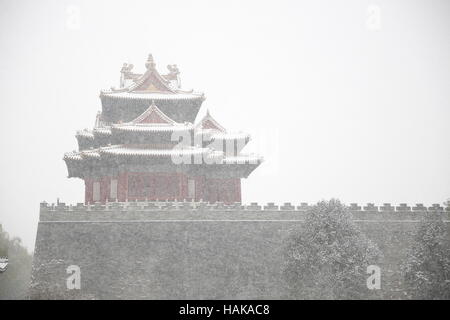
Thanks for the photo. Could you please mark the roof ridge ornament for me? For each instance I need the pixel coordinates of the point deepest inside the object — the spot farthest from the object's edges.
(173, 69)
(150, 62)
(127, 68)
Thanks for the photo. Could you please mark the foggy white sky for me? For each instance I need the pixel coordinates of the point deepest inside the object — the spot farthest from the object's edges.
(339, 105)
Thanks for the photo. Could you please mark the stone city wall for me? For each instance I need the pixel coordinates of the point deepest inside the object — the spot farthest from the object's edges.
(194, 250)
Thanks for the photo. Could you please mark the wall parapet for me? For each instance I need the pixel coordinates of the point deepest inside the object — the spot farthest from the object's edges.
(253, 206)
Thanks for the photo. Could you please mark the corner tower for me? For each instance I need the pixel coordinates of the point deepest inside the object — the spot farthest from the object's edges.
(144, 145)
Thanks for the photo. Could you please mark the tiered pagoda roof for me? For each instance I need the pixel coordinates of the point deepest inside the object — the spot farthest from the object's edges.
(149, 136)
(144, 137)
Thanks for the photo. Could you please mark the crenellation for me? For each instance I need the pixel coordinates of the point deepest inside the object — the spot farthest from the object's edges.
(97, 206)
(287, 206)
(403, 207)
(436, 207)
(236, 206)
(253, 206)
(44, 207)
(271, 206)
(419, 207)
(116, 206)
(354, 207)
(370, 207)
(229, 207)
(146, 205)
(303, 206)
(80, 207)
(61, 206)
(387, 207)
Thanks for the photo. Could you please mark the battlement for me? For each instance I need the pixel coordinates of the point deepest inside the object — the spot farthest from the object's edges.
(237, 206)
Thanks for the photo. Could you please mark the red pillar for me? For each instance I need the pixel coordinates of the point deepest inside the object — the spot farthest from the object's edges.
(238, 190)
(181, 194)
(104, 188)
(88, 190)
(199, 188)
(122, 186)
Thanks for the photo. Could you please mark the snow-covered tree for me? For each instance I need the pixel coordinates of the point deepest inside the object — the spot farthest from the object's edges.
(426, 269)
(447, 203)
(328, 258)
(15, 281)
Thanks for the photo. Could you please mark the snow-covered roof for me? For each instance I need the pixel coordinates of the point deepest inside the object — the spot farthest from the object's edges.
(129, 151)
(73, 156)
(151, 84)
(153, 115)
(85, 134)
(154, 96)
(90, 133)
(209, 123)
(153, 120)
(153, 128)
(123, 150)
(102, 130)
(78, 156)
(93, 154)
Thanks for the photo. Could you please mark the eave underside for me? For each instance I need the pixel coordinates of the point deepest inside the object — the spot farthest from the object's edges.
(88, 168)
